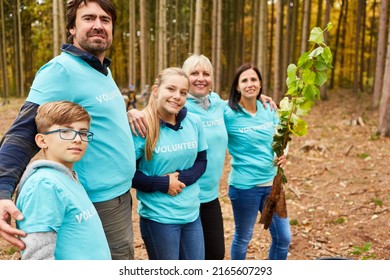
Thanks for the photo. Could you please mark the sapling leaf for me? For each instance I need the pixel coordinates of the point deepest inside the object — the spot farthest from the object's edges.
(308, 76)
(327, 55)
(300, 128)
(316, 52)
(303, 59)
(321, 78)
(316, 36)
(320, 64)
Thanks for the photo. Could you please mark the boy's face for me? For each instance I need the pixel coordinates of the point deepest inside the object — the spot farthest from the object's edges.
(63, 151)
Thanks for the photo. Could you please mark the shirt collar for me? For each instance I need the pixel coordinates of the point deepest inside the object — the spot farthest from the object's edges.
(179, 118)
(92, 60)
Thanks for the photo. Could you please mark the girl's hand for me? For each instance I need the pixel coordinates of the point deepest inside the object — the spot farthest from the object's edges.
(175, 186)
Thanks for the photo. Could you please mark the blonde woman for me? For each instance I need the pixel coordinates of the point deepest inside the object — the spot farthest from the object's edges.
(170, 160)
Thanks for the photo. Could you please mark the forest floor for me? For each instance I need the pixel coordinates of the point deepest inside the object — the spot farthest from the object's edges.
(338, 194)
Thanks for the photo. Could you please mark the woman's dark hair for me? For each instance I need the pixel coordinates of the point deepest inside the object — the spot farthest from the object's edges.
(235, 95)
(72, 7)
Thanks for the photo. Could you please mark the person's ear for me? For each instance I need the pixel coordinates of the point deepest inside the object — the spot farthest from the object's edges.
(41, 141)
(72, 31)
(155, 91)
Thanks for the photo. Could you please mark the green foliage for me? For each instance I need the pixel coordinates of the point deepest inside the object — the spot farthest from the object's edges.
(339, 221)
(303, 83)
(363, 251)
(11, 251)
(377, 201)
(363, 155)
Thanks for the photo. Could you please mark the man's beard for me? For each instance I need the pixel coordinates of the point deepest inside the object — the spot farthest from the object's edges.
(94, 46)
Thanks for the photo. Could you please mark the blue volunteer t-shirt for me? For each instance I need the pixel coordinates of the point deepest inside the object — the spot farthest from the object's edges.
(175, 150)
(216, 137)
(108, 166)
(250, 145)
(52, 201)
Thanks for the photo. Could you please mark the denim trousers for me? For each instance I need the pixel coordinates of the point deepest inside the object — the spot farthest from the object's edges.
(116, 218)
(246, 206)
(173, 241)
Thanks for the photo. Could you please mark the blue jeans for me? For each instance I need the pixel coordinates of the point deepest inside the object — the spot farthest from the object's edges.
(173, 241)
(246, 205)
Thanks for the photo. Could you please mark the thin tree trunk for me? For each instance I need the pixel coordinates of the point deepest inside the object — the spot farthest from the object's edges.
(56, 43)
(198, 27)
(132, 47)
(20, 52)
(177, 35)
(214, 32)
(272, 27)
(62, 28)
(144, 47)
(262, 50)
(336, 47)
(305, 26)
(218, 63)
(3, 55)
(384, 109)
(162, 38)
(356, 80)
(16, 63)
(363, 47)
(380, 54)
(293, 31)
(278, 59)
(255, 30)
(323, 89)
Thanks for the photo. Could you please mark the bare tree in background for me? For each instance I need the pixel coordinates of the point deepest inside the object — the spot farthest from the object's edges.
(56, 37)
(305, 25)
(3, 58)
(380, 54)
(144, 46)
(198, 27)
(278, 51)
(384, 108)
(162, 35)
(132, 44)
(262, 51)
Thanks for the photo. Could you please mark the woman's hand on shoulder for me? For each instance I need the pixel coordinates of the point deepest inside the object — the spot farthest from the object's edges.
(137, 122)
(266, 99)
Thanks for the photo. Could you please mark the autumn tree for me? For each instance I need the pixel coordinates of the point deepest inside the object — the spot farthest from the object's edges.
(384, 109)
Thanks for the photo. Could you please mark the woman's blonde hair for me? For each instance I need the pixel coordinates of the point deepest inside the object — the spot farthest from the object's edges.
(151, 112)
(200, 60)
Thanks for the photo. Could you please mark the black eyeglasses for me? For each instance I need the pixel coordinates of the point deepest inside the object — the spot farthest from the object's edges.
(70, 134)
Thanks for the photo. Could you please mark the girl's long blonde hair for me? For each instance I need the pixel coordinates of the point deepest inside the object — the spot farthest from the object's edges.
(151, 110)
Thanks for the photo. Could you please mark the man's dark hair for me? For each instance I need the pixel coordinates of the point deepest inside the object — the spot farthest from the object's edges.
(72, 7)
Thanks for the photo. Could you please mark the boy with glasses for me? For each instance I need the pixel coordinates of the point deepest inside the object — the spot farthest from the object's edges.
(79, 74)
(60, 220)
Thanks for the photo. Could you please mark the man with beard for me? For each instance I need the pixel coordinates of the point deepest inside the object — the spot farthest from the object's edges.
(79, 74)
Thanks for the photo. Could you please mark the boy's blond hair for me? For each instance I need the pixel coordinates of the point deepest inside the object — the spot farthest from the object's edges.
(59, 113)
